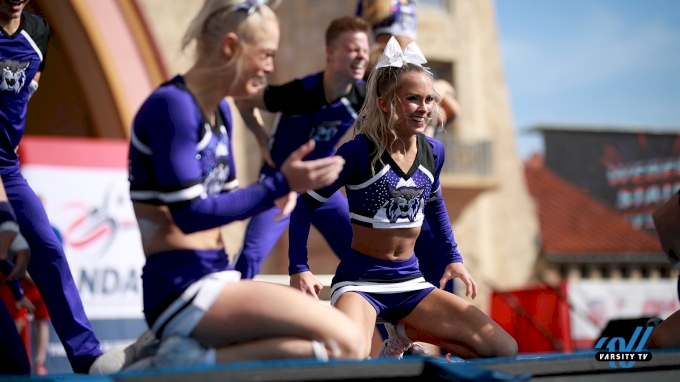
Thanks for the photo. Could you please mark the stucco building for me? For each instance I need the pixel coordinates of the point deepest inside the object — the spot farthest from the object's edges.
(108, 55)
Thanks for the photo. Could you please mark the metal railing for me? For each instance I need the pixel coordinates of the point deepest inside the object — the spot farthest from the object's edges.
(467, 158)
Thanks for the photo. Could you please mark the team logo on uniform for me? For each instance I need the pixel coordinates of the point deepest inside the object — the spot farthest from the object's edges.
(405, 203)
(13, 75)
(325, 132)
(217, 172)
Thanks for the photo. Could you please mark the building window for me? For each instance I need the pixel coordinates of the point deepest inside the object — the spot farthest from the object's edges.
(441, 70)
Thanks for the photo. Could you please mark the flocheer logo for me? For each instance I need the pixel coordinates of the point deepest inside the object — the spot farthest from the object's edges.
(617, 349)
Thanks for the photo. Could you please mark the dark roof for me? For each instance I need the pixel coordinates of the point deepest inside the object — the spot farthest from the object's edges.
(596, 128)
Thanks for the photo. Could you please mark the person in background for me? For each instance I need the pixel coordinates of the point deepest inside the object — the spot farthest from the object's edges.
(667, 224)
(399, 19)
(23, 51)
(322, 107)
(391, 176)
(183, 189)
(21, 302)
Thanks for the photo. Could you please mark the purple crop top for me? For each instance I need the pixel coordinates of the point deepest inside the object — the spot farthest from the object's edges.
(178, 159)
(385, 199)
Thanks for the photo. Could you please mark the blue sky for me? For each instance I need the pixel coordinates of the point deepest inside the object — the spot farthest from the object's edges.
(602, 62)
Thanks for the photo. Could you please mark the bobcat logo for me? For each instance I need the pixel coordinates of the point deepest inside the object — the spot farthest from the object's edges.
(218, 172)
(13, 75)
(405, 203)
(324, 132)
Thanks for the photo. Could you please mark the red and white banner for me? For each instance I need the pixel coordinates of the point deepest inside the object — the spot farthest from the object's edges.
(594, 303)
(84, 186)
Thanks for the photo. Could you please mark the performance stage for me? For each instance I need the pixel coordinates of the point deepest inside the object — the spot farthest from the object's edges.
(579, 367)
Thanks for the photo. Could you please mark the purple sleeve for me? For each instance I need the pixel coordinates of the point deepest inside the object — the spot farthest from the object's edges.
(301, 217)
(6, 268)
(436, 215)
(298, 234)
(7, 212)
(172, 131)
(435, 209)
(226, 111)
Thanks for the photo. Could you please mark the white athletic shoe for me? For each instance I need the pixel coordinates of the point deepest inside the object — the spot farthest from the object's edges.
(182, 351)
(395, 345)
(120, 358)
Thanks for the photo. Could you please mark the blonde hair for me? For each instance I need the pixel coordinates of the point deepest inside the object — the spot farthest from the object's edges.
(378, 126)
(217, 18)
(375, 11)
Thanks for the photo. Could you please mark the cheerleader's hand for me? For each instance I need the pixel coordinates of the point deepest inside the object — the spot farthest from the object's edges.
(311, 174)
(286, 205)
(25, 303)
(457, 270)
(11, 241)
(307, 283)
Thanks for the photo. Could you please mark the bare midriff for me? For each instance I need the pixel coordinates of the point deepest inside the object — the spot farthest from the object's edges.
(395, 244)
(161, 234)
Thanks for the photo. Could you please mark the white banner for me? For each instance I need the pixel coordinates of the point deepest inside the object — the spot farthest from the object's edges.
(595, 302)
(91, 208)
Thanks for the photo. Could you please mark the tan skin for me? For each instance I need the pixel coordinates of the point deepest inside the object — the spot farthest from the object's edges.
(252, 320)
(441, 318)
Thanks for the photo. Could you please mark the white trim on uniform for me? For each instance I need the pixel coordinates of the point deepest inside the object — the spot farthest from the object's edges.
(378, 287)
(206, 138)
(316, 196)
(348, 106)
(170, 197)
(182, 316)
(137, 143)
(230, 185)
(426, 172)
(370, 181)
(385, 223)
(33, 44)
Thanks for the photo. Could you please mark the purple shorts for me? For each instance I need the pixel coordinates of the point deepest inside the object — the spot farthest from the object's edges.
(393, 288)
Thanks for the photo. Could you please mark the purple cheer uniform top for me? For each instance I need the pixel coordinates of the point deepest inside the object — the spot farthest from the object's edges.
(403, 21)
(22, 56)
(304, 114)
(179, 160)
(384, 197)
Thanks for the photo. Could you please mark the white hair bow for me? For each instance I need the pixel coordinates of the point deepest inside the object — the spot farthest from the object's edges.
(393, 56)
(249, 6)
